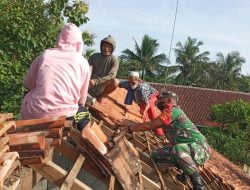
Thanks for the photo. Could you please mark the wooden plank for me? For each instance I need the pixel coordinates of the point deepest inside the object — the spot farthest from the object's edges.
(32, 153)
(5, 116)
(67, 184)
(3, 141)
(4, 150)
(111, 183)
(149, 184)
(32, 160)
(8, 125)
(57, 175)
(36, 124)
(20, 142)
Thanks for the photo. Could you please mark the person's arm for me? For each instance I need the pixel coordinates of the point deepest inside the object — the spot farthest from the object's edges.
(29, 81)
(163, 120)
(145, 110)
(112, 73)
(123, 84)
(147, 126)
(84, 89)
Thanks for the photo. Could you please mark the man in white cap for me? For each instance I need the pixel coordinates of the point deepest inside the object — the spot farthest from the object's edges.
(143, 94)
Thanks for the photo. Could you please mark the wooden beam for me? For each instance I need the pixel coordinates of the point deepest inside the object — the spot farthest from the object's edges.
(20, 142)
(3, 141)
(149, 184)
(32, 124)
(67, 184)
(111, 183)
(163, 184)
(57, 175)
(72, 153)
(4, 150)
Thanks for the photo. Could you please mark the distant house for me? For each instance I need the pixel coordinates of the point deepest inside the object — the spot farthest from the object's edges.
(197, 102)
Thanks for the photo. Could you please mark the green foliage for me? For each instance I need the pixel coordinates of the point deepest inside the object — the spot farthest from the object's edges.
(231, 112)
(225, 72)
(190, 62)
(144, 58)
(27, 28)
(232, 139)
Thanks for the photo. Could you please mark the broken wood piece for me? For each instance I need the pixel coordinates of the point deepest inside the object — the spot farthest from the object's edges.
(37, 124)
(67, 184)
(8, 125)
(33, 160)
(4, 150)
(3, 141)
(5, 117)
(7, 161)
(33, 153)
(21, 142)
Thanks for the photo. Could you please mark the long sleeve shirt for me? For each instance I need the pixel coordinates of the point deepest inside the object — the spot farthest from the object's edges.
(58, 79)
(142, 93)
(103, 68)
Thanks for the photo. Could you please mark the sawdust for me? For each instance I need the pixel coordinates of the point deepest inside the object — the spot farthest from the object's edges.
(17, 174)
(228, 171)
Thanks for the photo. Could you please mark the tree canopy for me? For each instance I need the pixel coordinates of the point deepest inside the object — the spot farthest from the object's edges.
(144, 58)
(27, 28)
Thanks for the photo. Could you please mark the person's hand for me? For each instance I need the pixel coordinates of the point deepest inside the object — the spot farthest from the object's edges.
(125, 125)
(92, 83)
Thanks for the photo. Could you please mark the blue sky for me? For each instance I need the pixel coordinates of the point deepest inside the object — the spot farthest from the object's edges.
(223, 25)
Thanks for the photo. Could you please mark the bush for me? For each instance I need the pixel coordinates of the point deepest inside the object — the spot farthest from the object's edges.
(27, 28)
(232, 138)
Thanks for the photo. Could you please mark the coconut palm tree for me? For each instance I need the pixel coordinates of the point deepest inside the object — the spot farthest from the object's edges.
(190, 62)
(144, 58)
(227, 70)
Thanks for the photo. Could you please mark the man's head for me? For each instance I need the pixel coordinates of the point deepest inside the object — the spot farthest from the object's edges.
(133, 79)
(166, 97)
(107, 45)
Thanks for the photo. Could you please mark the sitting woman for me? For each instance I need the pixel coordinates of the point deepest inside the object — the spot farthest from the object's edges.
(144, 95)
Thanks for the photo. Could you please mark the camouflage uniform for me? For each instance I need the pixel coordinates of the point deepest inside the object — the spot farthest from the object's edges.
(188, 146)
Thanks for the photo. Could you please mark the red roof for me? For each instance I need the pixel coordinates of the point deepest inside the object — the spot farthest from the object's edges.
(196, 102)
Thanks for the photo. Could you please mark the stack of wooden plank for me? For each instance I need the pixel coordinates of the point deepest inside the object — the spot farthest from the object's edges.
(8, 160)
(32, 139)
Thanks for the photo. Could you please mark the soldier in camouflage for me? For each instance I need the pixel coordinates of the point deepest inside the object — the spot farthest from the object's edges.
(187, 148)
